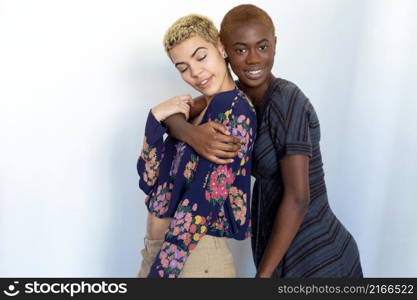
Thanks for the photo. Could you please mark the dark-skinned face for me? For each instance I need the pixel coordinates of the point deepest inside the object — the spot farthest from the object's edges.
(251, 51)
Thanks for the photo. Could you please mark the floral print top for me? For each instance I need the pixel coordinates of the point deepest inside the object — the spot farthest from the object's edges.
(200, 196)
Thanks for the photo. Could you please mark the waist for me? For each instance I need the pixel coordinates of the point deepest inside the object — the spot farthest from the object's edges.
(213, 242)
(156, 227)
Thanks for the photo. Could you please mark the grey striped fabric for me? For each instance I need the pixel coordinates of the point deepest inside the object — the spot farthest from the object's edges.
(323, 247)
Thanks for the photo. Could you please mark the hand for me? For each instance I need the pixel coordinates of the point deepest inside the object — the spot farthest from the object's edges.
(177, 104)
(213, 142)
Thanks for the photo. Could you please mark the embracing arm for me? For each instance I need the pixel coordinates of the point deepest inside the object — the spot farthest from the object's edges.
(290, 213)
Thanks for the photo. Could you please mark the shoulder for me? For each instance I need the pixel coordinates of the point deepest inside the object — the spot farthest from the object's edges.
(234, 100)
(287, 98)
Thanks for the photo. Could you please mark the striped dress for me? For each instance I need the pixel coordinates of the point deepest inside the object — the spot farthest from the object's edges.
(323, 247)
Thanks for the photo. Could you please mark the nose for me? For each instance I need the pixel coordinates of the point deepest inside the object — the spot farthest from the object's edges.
(195, 71)
(252, 58)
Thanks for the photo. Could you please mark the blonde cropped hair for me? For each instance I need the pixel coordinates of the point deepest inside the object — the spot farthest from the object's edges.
(188, 27)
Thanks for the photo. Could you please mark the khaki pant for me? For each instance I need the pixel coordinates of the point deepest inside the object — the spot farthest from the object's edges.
(211, 258)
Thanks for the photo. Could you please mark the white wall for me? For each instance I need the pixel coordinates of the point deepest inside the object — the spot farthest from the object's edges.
(77, 79)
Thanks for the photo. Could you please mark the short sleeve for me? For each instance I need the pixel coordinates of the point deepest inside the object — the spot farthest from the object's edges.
(290, 119)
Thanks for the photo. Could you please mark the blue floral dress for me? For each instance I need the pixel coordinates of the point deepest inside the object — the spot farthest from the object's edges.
(200, 196)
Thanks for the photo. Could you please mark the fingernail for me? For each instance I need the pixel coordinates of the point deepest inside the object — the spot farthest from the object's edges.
(227, 132)
(232, 160)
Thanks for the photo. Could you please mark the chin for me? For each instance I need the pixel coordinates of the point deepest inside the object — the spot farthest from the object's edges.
(209, 92)
(253, 83)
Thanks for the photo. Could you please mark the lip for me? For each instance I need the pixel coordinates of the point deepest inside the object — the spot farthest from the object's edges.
(206, 81)
(254, 73)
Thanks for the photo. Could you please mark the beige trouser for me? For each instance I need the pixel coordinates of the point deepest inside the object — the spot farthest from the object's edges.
(211, 258)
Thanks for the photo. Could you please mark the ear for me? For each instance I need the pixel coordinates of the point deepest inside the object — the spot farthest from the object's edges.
(220, 47)
(275, 44)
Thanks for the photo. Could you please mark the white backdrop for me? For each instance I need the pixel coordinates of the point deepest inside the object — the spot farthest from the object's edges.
(77, 79)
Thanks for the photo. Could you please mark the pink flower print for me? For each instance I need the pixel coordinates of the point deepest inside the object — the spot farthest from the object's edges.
(220, 180)
(187, 238)
(179, 215)
(164, 262)
(176, 231)
(190, 168)
(150, 174)
(193, 228)
(188, 217)
(238, 200)
(163, 255)
(173, 264)
(160, 200)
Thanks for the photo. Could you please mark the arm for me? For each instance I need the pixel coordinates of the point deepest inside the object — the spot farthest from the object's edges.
(290, 213)
(204, 198)
(197, 105)
(210, 140)
(153, 145)
(151, 155)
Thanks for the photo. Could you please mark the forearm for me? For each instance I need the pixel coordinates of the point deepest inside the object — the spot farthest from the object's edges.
(288, 219)
(179, 128)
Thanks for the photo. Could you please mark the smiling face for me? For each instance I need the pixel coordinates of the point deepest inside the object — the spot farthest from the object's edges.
(201, 65)
(251, 51)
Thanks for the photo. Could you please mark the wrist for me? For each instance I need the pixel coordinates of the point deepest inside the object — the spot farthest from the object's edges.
(262, 274)
(189, 137)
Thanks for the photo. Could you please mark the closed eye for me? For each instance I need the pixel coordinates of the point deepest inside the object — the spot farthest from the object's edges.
(202, 58)
(182, 68)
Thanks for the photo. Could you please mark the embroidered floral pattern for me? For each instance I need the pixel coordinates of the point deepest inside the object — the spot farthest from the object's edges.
(172, 259)
(221, 225)
(149, 155)
(180, 148)
(239, 127)
(219, 183)
(186, 227)
(207, 199)
(160, 199)
(190, 168)
(238, 200)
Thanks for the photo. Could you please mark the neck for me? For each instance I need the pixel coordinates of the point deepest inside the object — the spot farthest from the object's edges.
(257, 93)
(227, 85)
